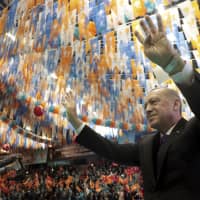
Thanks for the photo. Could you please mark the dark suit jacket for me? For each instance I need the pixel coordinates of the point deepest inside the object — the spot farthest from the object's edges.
(170, 171)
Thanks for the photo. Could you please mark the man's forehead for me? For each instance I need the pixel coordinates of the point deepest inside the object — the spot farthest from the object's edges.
(153, 94)
(156, 90)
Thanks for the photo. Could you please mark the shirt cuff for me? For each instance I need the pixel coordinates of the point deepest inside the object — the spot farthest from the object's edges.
(79, 129)
(185, 76)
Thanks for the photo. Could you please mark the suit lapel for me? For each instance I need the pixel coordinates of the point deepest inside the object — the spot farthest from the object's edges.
(161, 156)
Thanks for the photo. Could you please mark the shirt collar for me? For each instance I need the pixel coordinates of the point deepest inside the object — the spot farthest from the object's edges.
(170, 129)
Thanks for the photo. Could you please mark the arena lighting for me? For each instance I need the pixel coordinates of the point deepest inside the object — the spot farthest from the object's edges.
(11, 36)
(28, 128)
(44, 137)
(53, 76)
(161, 9)
(106, 131)
(68, 89)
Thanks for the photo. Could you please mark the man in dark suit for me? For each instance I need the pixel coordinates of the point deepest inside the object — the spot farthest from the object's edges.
(170, 157)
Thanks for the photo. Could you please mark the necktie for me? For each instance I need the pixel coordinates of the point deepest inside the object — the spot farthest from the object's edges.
(164, 138)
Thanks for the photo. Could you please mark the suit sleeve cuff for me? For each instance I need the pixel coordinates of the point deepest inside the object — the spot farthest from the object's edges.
(185, 76)
(79, 129)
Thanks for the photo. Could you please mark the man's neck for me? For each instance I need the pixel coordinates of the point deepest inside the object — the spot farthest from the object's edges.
(169, 130)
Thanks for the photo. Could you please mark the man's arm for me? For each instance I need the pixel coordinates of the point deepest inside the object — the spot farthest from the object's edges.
(124, 153)
(158, 48)
(160, 51)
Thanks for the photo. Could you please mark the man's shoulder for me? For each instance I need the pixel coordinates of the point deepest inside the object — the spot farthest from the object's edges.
(193, 122)
(148, 136)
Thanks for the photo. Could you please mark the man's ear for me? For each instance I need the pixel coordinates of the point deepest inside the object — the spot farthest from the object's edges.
(177, 105)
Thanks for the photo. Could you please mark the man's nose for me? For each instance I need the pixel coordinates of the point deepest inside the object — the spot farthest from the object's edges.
(148, 108)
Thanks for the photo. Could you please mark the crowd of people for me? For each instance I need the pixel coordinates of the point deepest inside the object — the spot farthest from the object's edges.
(96, 180)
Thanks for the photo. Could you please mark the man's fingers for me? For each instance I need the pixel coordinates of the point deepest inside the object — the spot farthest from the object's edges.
(144, 27)
(139, 37)
(160, 24)
(148, 40)
(65, 99)
(151, 25)
(69, 94)
(68, 99)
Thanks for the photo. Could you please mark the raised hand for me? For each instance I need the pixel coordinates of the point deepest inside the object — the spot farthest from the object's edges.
(70, 104)
(156, 45)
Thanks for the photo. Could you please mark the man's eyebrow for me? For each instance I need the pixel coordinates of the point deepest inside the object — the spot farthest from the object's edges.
(150, 100)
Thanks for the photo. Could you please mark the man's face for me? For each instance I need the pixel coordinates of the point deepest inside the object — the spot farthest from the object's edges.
(159, 110)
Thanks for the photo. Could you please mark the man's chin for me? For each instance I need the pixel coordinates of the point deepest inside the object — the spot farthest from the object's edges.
(153, 124)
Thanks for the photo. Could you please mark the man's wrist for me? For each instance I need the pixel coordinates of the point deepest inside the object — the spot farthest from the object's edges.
(80, 128)
(175, 66)
(186, 76)
(73, 119)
